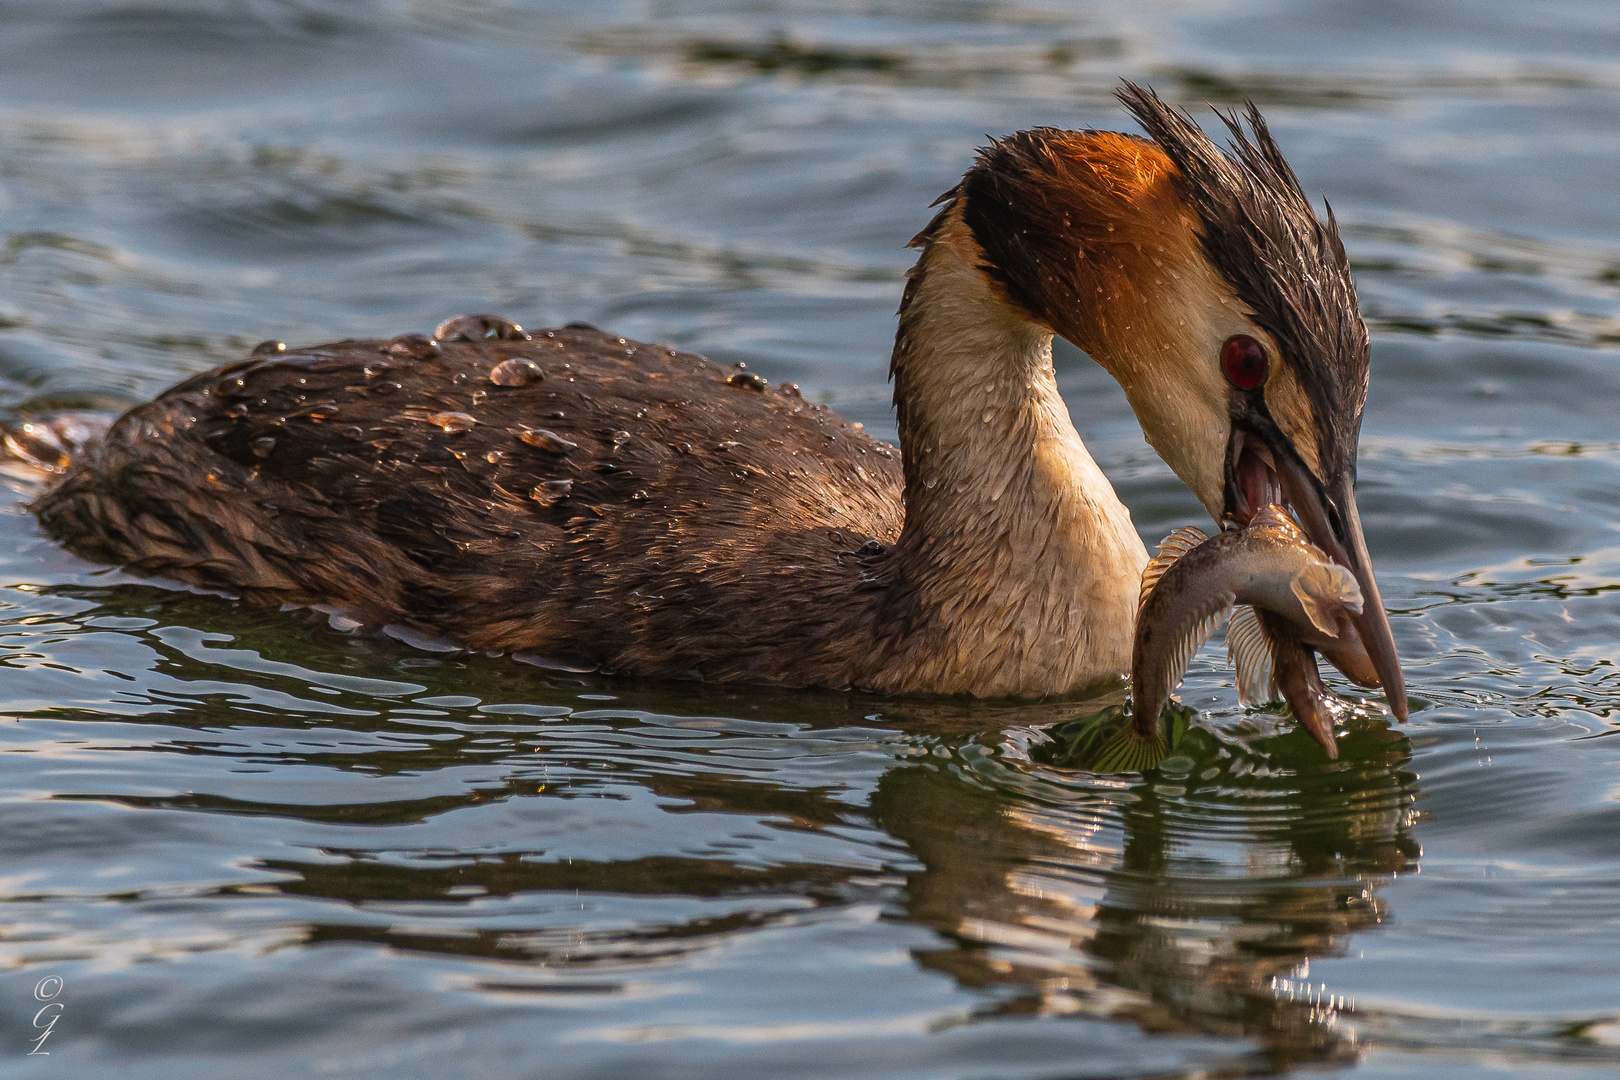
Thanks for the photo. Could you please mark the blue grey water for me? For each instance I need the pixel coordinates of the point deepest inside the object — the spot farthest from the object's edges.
(249, 844)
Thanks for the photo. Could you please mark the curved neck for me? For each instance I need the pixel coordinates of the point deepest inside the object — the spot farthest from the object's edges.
(1015, 551)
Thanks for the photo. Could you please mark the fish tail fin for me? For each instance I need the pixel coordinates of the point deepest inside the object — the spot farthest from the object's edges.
(1128, 750)
(1108, 742)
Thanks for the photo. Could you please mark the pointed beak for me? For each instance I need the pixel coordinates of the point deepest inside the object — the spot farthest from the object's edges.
(1333, 523)
(1327, 512)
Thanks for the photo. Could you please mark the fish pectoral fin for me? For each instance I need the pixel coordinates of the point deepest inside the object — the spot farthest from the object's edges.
(1171, 549)
(1323, 589)
(1248, 650)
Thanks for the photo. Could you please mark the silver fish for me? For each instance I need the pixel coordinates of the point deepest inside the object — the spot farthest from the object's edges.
(1291, 599)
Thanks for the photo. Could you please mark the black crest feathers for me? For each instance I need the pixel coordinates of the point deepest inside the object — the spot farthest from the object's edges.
(1289, 267)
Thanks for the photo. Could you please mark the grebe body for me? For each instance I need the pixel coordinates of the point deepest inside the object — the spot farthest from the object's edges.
(583, 497)
(602, 501)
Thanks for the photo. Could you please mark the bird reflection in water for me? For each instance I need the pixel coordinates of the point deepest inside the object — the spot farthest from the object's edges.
(1192, 899)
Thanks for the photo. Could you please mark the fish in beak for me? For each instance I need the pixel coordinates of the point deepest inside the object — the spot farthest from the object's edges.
(1294, 381)
(1303, 598)
(1201, 279)
(1263, 472)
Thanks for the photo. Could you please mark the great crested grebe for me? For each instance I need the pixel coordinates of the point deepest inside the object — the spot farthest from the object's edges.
(580, 496)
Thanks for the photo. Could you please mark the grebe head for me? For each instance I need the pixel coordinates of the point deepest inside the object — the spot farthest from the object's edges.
(1200, 278)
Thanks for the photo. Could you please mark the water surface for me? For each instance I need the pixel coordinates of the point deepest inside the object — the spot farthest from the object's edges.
(253, 845)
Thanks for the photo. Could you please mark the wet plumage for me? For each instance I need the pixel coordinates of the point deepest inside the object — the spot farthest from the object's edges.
(623, 505)
(627, 504)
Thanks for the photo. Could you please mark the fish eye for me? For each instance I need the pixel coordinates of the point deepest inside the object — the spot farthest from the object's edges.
(1244, 362)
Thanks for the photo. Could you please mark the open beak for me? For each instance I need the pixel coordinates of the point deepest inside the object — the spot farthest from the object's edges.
(1262, 466)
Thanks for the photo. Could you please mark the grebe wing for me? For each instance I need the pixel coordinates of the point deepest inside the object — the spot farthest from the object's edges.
(398, 478)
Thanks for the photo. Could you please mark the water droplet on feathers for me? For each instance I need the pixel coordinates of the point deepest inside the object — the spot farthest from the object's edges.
(480, 328)
(262, 446)
(453, 423)
(549, 441)
(516, 372)
(413, 347)
(552, 492)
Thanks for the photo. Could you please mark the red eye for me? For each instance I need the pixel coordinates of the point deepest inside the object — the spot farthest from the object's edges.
(1243, 362)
